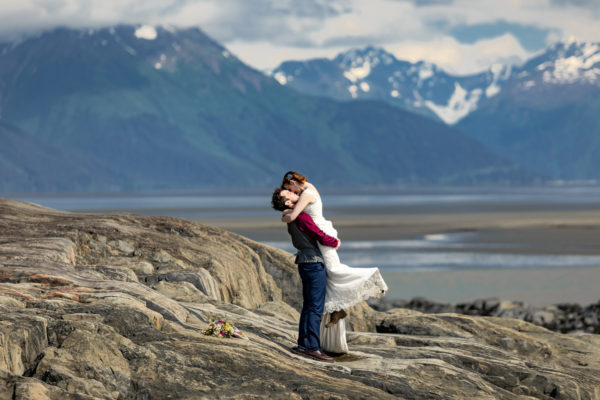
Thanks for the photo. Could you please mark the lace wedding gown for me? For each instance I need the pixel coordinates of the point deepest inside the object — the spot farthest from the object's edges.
(346, 286)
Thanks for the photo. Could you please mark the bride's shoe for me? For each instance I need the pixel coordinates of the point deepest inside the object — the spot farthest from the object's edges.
(335, 317)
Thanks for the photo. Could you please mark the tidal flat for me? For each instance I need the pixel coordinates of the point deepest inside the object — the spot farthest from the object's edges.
(539, 245)
(540, 257)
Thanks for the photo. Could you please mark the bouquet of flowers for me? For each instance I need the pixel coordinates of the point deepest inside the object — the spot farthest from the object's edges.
(222, 328)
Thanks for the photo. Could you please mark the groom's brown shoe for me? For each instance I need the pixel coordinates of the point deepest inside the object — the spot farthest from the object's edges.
(316, 354)
(335, 317)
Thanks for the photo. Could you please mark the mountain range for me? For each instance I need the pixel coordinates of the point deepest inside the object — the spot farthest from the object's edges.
(546, 118)
(542, 115)
(141, 107)
(373, 73)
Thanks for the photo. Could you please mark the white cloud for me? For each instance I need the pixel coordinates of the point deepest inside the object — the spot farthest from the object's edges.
(421, 33)
(265, 55)
(459, 58)
(266, 32)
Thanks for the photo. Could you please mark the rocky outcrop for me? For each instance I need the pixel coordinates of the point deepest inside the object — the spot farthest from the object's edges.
(112, 307)
(564, 317)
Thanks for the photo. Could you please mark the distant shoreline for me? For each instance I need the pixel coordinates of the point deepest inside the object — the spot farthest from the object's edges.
(563, 232)
(537, 287)
(562, 317)
(562, 226)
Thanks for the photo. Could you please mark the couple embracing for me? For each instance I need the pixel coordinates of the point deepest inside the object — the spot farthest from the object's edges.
(328, 286)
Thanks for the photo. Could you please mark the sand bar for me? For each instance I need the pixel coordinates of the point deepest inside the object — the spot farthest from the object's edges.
(525, 231)
(546, 232)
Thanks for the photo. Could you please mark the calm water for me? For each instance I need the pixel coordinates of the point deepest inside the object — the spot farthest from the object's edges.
(345, 201)
(438, 252)
(429, 253)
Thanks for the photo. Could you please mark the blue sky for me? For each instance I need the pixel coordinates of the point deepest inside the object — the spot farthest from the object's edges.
(461, 36)
(530, 37)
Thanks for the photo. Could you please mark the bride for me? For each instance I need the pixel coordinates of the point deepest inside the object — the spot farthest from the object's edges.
(346, 286)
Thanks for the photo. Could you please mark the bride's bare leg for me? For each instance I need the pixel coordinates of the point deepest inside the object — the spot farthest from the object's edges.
(335, 317)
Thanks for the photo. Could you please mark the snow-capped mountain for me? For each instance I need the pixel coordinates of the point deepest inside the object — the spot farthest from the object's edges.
(373, 73)
(563, 64)
(543, 115)
(546, 117)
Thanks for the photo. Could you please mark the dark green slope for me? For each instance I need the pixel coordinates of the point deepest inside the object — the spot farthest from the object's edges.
(555, 133)
(28, 163)
(180, 112)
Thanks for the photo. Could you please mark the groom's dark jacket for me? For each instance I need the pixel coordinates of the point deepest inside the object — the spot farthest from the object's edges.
(305, 235)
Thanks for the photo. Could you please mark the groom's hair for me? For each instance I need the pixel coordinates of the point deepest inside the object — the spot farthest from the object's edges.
(278, 202)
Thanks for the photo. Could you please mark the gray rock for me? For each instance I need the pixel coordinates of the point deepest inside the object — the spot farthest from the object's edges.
(563, 318)
(82, 317)
(543, 318)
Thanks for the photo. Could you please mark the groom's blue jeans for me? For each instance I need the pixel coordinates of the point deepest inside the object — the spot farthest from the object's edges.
(314, 287)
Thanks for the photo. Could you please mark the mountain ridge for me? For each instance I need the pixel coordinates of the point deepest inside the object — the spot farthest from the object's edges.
(546, 119)
(374, 73)
(173, 109)
(423, 87)
(541, 115)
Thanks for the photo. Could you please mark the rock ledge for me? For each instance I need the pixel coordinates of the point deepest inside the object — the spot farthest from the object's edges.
(111, 307)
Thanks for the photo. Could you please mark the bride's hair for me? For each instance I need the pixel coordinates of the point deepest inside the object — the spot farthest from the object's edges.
(293, 176)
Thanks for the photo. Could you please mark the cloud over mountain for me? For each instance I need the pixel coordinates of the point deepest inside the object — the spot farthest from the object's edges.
(264, 33)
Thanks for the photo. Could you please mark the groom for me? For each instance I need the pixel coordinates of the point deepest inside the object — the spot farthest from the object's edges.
(305, 234)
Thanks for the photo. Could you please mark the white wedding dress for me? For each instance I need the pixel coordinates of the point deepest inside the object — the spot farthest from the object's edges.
(346, 286)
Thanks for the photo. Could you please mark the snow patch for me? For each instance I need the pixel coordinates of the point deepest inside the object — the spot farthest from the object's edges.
(159, 64)
(364, 86)
(147, 32)
(544, 65)
(280, 77)
(170, 28)
(547, 77)
(130, 50)
(492, 90)
(499, 72)
(590, 49)
(418, 99)
(395, 93)
(582, 66)
(529, 84)
(459, 105)
(353, 91)
(358, 73)
(592, 75)
(426, 72)
(496, 69)
(225, 53)
(570, 69)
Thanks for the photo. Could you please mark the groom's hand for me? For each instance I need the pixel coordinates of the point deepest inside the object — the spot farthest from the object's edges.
(338, 245)
(285, 215)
